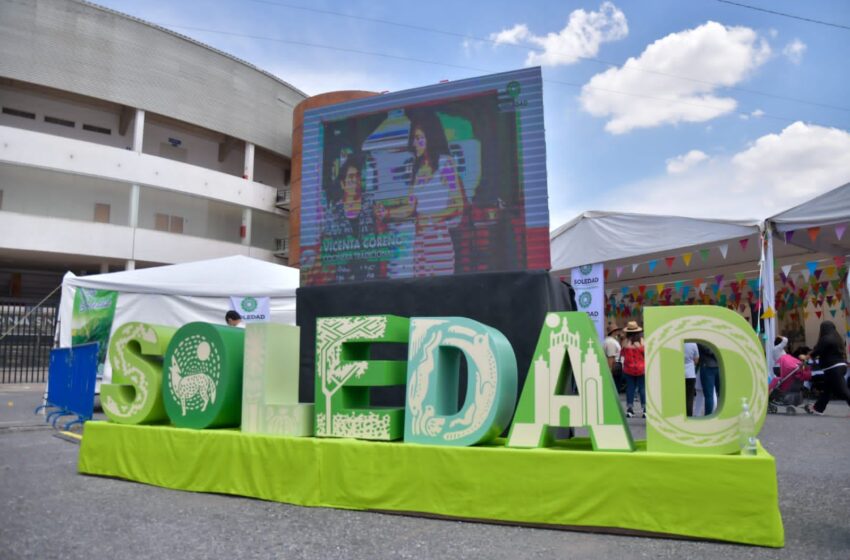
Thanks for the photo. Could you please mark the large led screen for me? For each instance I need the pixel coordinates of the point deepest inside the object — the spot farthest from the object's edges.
(439, 180)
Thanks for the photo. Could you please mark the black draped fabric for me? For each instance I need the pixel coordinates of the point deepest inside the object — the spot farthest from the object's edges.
(515, 303)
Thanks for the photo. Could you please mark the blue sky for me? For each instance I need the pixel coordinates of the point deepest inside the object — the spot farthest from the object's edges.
(698, 108)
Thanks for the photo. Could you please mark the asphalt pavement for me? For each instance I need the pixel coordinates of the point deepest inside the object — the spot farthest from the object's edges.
(47, 510)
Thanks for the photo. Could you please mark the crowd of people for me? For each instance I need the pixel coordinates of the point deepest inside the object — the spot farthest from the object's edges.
(822, 369)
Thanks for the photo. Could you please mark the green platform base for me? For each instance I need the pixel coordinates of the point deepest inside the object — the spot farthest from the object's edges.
(728, 498)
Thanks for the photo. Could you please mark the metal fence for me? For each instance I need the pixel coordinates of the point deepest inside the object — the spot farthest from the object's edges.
(25, 350)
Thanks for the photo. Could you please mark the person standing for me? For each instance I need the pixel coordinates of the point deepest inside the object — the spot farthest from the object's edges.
(234, 319)
(691, 361)
(634, 367)
(832, 360)
(779, 344)
(612, 352)
(709, 376)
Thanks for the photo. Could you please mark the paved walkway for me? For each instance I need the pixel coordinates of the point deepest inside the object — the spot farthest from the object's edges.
(47, 510)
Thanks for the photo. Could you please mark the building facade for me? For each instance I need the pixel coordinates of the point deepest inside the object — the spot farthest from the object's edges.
(126, 145)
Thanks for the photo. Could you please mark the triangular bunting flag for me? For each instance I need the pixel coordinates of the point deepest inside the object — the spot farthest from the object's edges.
(812, 266)
(723, 249)
(641, 289)
(605, 274)
(625, 290)
(719, 280)
(818, 272)
(660, 288)
(702, 287)
(786, 269)
(686, 257)
(670, 261)
(830, 270)
(652, 264)
(635, 267)
(813, 233)
(754, 284)
(703, 253)
(685, 290)
(678, 285)
(839, 231)
(768, 314)
(839, 261)
(819, 313)
(744, 243)
(619, 271)
(788, 236)
(832, 312)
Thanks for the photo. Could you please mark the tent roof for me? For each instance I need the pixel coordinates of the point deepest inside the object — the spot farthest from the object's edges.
(829, 208)
(229, 276)
(607, 236)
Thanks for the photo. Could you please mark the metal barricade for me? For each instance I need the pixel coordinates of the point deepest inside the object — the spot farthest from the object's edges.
(25, 350)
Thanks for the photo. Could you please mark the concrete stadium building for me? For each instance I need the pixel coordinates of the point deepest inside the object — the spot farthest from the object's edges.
(125, 145)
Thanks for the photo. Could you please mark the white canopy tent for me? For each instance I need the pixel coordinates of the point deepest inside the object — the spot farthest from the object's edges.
(654, 250)
(177, 294)
(612, 237)
(815, 229)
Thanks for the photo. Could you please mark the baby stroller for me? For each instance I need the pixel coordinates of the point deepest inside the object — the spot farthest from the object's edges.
(786, 391)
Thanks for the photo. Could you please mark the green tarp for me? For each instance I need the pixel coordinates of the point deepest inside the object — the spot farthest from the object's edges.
(730, 498)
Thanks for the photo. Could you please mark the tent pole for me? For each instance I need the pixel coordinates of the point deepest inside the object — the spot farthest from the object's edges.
(768, 299)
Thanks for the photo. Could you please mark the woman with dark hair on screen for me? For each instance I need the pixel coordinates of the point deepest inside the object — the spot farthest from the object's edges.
(351, 215)
(436, 197)
(832, 360)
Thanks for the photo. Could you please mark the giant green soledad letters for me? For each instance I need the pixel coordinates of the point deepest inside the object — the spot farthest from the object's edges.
(344, 374)
(433, 376)
(742, 367)
(202, 385)
(568, 350)
(270, 382)
(135, 394)
(202, 380)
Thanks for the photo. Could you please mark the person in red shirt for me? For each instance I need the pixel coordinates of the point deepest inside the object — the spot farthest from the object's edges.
(634, 367)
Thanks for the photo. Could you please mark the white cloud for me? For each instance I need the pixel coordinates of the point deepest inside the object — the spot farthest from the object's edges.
(644, 93)
(512, 36)
(581, 37)
(682, 163)
(775, 172)
(797, 163)
(757, 114)
(794, 51)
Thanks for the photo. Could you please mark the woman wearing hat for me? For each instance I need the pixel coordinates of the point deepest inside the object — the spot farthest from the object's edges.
(634, 367)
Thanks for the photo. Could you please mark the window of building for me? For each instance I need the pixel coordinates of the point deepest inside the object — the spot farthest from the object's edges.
(18, 113)
(101, 213)
(60, 122)
(173, 224)
(98, 129)
(161, 222)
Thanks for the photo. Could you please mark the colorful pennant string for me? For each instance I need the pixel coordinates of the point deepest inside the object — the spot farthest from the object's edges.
(813, 233)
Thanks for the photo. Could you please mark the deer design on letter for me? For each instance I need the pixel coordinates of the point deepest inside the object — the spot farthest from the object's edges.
(185, 388)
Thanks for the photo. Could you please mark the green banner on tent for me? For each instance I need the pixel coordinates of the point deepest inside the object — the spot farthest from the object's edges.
(92, 320)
